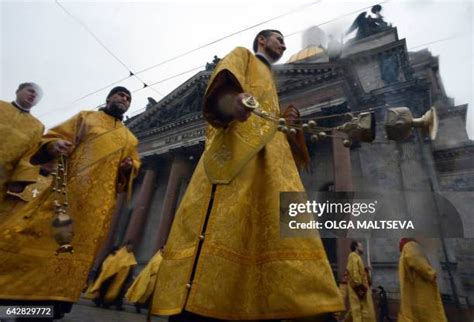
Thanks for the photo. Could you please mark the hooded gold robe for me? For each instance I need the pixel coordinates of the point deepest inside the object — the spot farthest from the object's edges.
(420, 300)
(20, 133)
(143, 286)
(29, 269)
(242, 269)
(117, 265)
(361, 309)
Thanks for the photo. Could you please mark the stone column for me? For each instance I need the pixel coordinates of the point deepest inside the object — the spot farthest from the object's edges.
(180, 169)
(142, 205)
(342, 182)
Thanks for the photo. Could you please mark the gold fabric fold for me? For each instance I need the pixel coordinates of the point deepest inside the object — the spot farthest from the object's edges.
(118, 265)
(420, 299)
(143, 286)
(29, 269)
(229, 149)
(245, 269)
(361, 309)
(20, 135)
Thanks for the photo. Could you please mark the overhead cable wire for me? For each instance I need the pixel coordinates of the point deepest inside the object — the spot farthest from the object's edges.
(190, 70)
(101, 43)
(228, 36)
(437, 41)
(164, 80)
(334, 19)
(215, 41)
(178, 56)
(220, 39)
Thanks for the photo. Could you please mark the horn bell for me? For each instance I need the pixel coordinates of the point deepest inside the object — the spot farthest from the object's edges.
(399, 122)
(428, 123)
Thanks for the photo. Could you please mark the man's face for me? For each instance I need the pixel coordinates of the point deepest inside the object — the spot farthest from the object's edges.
(27, 97)
(360, 248)
(119, 102)
(273, 46)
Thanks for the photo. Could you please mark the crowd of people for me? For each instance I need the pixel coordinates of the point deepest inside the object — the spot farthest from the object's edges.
(224, 258)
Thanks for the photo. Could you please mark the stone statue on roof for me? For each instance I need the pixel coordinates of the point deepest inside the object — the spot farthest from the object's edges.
(213, 64)
(368, 25)
(151, 102)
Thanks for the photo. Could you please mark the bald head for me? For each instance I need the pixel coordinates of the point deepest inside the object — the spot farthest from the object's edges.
(28, 95)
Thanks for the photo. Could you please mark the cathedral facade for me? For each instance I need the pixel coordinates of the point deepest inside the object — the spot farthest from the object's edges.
(371, 72)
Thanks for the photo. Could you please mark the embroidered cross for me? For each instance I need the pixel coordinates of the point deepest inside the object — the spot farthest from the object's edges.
(35, 192)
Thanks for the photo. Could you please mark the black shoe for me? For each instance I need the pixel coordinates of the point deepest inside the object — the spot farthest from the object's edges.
(96, 302)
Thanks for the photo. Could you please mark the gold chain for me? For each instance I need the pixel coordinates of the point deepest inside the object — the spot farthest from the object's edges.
(62, 222)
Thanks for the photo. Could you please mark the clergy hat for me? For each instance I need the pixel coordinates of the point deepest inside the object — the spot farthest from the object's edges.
(119, 89)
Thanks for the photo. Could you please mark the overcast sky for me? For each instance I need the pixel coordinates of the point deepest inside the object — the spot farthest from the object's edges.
(40, 42)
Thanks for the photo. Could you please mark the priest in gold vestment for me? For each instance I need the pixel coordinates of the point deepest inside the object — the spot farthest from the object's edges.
(102, 160)
(142, 287)
(420, 299)
(115, 272)
(20, 133)
(224, 257)
(359, 291)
